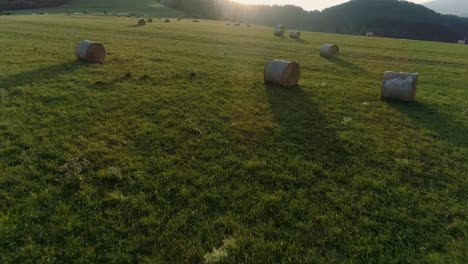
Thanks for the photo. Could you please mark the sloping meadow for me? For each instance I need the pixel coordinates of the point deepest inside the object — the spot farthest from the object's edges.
(174, 150)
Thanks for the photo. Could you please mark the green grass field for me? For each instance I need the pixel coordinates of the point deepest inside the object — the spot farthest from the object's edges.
(175, 151)
(121, 7)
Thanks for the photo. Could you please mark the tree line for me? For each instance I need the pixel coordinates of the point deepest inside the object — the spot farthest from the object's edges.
(386, 18)
(28, 4)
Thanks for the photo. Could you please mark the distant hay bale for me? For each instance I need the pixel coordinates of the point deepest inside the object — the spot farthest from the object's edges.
(462, 42)
(195, 21)
(284, 73)
(369, 34)
(248, 25)
(279, 32)
(295, 35)
(329, 51)
(179, 19)
(91, 51)
(141, 22)
(237, 24)
(149, 20)
(228, 24)
(167, 20)
(399, 86)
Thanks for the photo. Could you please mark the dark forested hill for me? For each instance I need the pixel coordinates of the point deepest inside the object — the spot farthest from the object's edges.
(133, 7)
(387, 18)
(26, 4)
(392, 18)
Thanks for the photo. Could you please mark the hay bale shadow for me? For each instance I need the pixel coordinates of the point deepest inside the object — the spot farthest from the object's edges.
(302, 41)
(348, 65)
(49, 72)
(303, 124)
(430, 118)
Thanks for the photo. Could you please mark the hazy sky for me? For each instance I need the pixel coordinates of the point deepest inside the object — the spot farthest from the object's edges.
(306, 4)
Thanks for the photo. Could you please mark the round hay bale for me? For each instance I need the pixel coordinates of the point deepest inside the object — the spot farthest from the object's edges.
(295, 35)
(179, 19)
(195, 21)
(149, 20)
(399, 86)
(279, 32)
(329, 51)
(142, 22)
(91, 51)
(167, 20)
(284, 73)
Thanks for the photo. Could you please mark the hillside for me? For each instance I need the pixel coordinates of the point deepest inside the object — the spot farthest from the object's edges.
(29, 4)
(176, 151)
(393, 18)
(454, 7)
(386, 18)
(148, 7)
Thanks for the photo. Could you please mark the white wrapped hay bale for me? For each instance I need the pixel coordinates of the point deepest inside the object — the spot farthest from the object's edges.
(399, 86)
(284, 73)
(295, 35)
(329, 51)
(91, 51)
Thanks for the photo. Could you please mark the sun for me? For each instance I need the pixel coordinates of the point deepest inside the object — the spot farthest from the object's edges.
(265, 2)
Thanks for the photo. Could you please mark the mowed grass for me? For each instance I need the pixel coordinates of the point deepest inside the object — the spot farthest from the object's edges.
(134, 7)
(175, 151)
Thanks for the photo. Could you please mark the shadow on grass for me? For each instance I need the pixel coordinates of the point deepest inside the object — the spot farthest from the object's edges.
(303, 124)
(440, 123)
(301, 41)
(49, 72)
(348, 65)
(137, 25)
